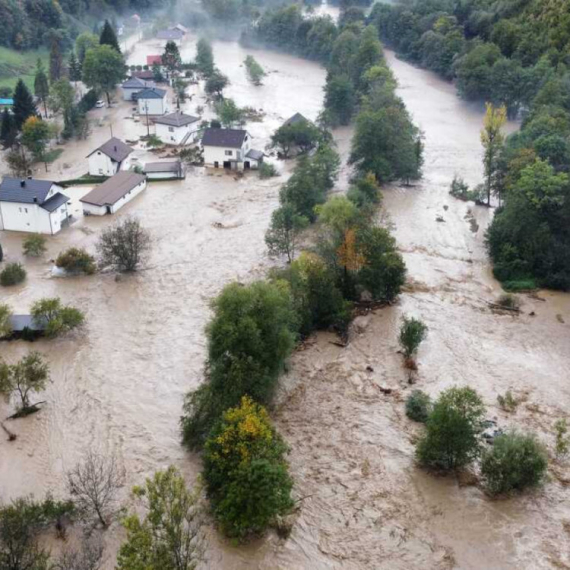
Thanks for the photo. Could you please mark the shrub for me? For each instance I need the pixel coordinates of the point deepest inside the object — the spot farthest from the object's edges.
(418, 406)
(453, 429)
(58, 319)
(515, 462)
(35, 245)
(412, 334)
(154, 141)
(245, 471)
(5, 324)
(12, 274)
(267, 170)
(76, 260)
(508, 402)
(562, 440)
(509, 301)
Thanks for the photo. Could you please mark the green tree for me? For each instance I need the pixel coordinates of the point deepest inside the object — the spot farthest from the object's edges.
(74, 68)
(338, 214)
(36, 135)
(76, 260)
(340, 100)
(5, 322)
(57, 318)
(245, 471)
(204, 57)
(24, 106)
(492, 140)
(412, 333)
(103, 68)
(30, 374)
(171, 57)
(452, 437)
(62, 99)
(283, 233)
(13, 274)
(229, 113)
(418, 406)
(108, 37)
(55, 59)
(216, 83)
(168, 537)
(41, 85)
(8, 131)
(255, 72)
(302, 135)
(83, 43)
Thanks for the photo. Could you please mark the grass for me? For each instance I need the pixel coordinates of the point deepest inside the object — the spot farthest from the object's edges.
(16, 65)
(521, 285)
(53, 155)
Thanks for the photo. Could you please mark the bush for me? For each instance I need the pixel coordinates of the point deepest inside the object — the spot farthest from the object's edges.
(562, 440)
(5, 324)
(12, 274)
(58, 319)
(515, 462)
(267, 170)
(35, 245)
(412, 334)
(418, 406)
(509, 301)
(245, 471)
(508, 402)
(76, 260)
(453, 429)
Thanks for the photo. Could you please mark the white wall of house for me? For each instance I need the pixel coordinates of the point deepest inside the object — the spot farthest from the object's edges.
(162, 175)
(129, 92)
(101, 165)
(90, 209)
(175, 135)
(218, 154)
(155, 106)
(19, 217)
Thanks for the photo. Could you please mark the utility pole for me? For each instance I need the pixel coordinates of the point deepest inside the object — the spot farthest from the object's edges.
(147, 124)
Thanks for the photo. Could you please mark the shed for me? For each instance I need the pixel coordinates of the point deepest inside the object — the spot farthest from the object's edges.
(165, 170)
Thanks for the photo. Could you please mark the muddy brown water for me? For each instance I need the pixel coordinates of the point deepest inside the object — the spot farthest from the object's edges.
(118, 385)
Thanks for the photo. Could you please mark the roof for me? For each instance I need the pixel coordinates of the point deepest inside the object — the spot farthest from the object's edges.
(55, 202)
(176, 119)
(21, 322)
(166, 166)
(114, 189)
(296, 118)
(26, 191)
(229, 138)
(170, 34)
(255, 154)
(152, 59)
(148, 74)
(115, 149)
(6, 101)
(136, 83)
(151, 93)
(180, 27)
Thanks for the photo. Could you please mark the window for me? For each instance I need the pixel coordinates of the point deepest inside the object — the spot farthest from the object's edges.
(229, 152)
(26, 210)
(170, 129)
(20, 209)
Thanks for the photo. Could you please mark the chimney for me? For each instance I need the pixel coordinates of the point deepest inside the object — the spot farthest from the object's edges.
(22, 183)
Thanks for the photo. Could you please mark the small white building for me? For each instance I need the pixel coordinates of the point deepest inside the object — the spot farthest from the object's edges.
(113, 194)
(152, 101)
(177, 128)
(231, 149)
(108, 159)
(36, 206)
(133, 86)
(165, 170)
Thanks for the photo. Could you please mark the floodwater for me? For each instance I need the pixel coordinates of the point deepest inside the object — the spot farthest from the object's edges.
(118, 385)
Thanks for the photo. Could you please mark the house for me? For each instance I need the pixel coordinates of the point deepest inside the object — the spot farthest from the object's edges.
(108, 158)
(171, 35)
(296, 118)
(177, 128)
(180, 28)
(153, 59)
(134, 85)
(113, 194)
(165, 170)
(6, 102)
(29, 205)
(230, 148)
(152, 101)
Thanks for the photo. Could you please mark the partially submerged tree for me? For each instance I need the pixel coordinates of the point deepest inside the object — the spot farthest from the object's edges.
(124, 246)
(76, 260)
(30, 374)
(5, 320)
(301, 135)
(35, 245)
(168, 536)
(13, 274)
(412, 333)
(55, 317)
(283, 233)
(41, 85)
(255, 72)
(204, 57)
(171, 58)
(216, 83)
(492, 140)
(229, 113)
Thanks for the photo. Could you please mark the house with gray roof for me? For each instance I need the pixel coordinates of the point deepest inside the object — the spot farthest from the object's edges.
(230, 149)
(109, 158)
(170, 35)
(177, 128)
(134, 85)
(35, 206)
(152, 101)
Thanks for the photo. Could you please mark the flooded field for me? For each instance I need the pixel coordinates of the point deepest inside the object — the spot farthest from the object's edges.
(118, 385)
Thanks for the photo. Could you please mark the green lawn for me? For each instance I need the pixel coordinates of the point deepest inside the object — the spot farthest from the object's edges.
(15, 65)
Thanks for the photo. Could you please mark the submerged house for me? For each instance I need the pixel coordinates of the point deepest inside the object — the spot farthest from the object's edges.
(29, 205)
(108, 159)
(165, 170)
(177, 128)
(230, 149)
(113, 194)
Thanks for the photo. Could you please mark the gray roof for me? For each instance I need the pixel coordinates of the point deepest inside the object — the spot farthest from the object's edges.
(176, 119)
(170, 34)
(144, 74)
(115, 149)
(21, 322)
(170, 166)
(114, 189)
(255, 154)
(25, 191)
(55, 202)
(296, 118)
(228, 138)
(151, 93)
(136, 83)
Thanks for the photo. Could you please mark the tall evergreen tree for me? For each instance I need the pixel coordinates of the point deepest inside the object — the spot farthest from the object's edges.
(8, 130)
(55, 61)
(108, 36)
(74, 68)
(41, 85)
(24, 105)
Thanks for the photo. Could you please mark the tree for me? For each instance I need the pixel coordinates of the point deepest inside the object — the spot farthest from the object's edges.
(35, 245)
(5, 322)
(83, 44)
(168, 537)
(76, 260)
(124, 245)
(41, 85)
(62, 100)
(12, 274)
(245, 471)
(216, 83)
(103, 68)
(302, 135)
(36, 135)
(157, 73)
(229, 113)
(340, 100)
(338, 214)
(412, 333)
(283, 233)
(55, 59)
(87, 557)
(55, 317)
(255, 72)
(30, 374)
(9, 131)
(108, 37)
(492, 140)
(94, 483)
(171, 58)
(453, 430)
(515, 462)
(418, 406)
(204, 57)
(24, 106)
(74, 68)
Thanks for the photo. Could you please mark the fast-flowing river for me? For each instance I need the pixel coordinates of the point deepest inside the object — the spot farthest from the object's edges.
(118, 386)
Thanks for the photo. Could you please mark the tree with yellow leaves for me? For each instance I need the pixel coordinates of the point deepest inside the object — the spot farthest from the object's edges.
(492, 140)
